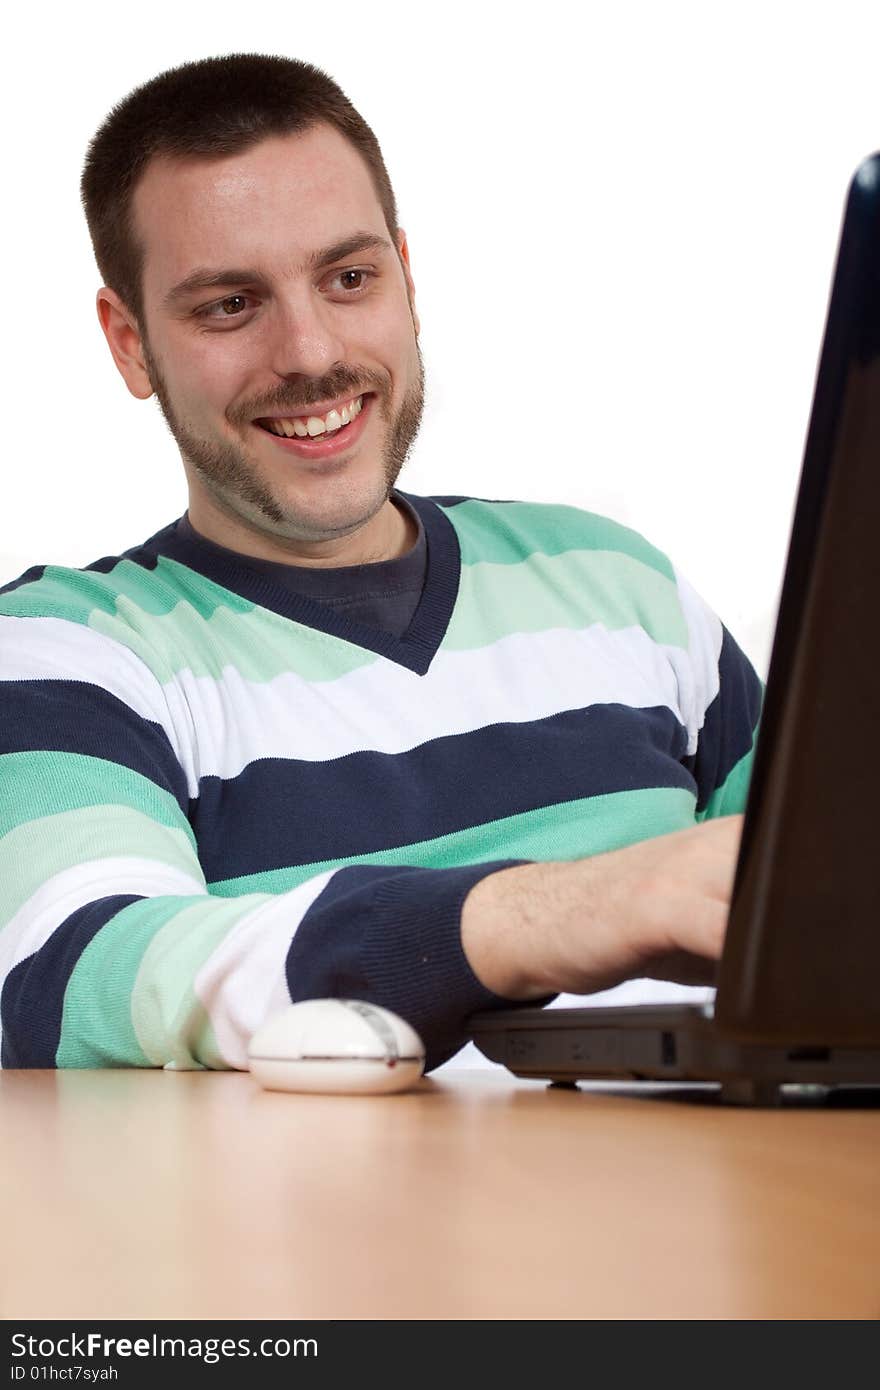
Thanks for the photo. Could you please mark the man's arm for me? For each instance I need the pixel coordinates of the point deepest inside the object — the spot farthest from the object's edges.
(657, 909)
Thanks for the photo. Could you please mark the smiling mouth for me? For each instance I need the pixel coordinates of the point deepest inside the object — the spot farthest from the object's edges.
(315, 426)
(313, 437)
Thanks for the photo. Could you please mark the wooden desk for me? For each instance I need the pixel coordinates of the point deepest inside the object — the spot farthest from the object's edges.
(150, 1194)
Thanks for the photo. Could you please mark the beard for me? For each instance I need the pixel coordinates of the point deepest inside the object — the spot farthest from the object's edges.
(231, 477)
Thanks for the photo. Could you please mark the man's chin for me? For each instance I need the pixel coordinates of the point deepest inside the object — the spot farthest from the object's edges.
(301, 514)
(330, 514)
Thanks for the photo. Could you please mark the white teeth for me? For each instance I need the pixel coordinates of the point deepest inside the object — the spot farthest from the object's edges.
(315, 425)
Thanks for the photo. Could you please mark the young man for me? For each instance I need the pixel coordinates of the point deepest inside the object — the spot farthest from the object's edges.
(318, 736)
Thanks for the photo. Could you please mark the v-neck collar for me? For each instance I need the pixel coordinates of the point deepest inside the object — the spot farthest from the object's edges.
(415, 649)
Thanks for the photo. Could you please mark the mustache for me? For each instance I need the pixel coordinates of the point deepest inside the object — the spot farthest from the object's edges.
(330, 389)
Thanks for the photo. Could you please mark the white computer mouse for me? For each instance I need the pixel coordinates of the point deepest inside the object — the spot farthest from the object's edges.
(336, 1045)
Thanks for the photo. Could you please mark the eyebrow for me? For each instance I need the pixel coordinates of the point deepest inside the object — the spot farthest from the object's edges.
(205, 278)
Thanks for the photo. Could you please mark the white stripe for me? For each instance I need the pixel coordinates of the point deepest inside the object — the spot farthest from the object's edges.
(217, 726)
(57, 649)
(243, 982)
(66, 892)
(697, 669)
(385, 708)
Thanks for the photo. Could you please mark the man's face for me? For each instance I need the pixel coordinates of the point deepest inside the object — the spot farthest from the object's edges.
(284, 338)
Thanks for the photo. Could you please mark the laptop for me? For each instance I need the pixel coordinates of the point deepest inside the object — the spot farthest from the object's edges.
(797, 1002)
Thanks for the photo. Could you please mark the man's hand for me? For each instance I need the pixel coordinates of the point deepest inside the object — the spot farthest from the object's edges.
(657, 908)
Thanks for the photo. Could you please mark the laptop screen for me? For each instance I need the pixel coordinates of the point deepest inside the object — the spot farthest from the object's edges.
(802, 953)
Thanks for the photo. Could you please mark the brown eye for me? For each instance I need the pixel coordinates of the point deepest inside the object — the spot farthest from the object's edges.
(220, 310)
(362, 277)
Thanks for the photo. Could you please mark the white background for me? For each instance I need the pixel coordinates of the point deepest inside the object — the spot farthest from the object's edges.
(625, 215)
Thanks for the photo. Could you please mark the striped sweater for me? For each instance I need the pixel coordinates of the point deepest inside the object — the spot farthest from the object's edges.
(218, 796)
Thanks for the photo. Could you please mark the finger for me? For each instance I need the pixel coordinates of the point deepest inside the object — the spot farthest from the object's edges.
(717, 868)
(683, 969)
(697, 927)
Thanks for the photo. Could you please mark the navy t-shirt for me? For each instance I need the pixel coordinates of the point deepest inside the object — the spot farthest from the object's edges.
(384, 593)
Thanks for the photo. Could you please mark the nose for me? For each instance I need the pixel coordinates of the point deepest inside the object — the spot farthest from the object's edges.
(305, 336)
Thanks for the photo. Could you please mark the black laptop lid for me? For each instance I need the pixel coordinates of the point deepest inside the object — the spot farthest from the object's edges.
(802, 954)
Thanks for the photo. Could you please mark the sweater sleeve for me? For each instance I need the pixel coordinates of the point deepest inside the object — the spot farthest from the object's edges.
(721, 697)
(114, 950)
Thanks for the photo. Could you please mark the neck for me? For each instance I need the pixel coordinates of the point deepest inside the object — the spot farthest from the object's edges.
(387, 535)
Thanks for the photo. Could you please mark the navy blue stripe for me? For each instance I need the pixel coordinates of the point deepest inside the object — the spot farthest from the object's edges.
(280, 812)
(728, 732)
(453, 500)
(75, 717)
(29, 577)
(138, 555)
(324, 960)
(32, 1001)
(392, 937)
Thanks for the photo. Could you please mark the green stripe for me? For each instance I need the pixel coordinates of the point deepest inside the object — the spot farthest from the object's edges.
(213, 628)
(96, 1026)
(127, 588)
(157, 592)
(571, 590)
(61, 593)
(569, 830)
(48, 783)
(129, 1003)
(259, 644)
(506, 533)
(174, 619)
(89, 839)
(171, 1022)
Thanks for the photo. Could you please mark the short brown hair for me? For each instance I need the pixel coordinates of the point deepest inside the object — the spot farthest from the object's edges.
(209, 108)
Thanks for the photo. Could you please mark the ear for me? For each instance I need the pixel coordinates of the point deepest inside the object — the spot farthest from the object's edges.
(124, 340)
(410, 287)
